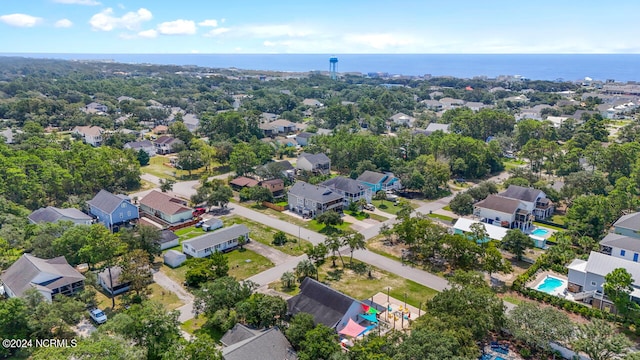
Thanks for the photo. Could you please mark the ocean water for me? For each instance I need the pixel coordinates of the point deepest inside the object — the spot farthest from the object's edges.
(570, 67)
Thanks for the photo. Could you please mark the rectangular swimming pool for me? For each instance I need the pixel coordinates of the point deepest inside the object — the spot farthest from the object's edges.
(551, 285)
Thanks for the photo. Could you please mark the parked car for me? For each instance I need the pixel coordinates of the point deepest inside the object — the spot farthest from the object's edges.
(369, 207)
(198, 211)
(199, 223)
(98, 316)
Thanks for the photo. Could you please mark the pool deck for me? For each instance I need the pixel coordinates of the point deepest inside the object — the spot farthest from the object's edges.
(533, 284)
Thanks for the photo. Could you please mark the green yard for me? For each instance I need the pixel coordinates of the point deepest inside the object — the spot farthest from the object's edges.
(389, 206)
(323, 229)
(441, 217)
(264, 234)
(244, 264)
(188, 233)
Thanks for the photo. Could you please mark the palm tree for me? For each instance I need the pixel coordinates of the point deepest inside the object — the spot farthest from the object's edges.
(355, 241)
(287, 278)
(306, 268)
(334, 243)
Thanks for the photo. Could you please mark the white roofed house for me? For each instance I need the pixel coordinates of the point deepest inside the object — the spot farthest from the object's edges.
(402, 119)
(222, 240)
(191, 121)
(145, 145)
(316, 163)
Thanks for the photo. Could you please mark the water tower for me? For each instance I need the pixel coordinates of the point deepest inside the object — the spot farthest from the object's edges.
(333, 66)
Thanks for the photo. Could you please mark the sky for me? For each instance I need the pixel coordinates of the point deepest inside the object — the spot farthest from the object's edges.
(319, 27)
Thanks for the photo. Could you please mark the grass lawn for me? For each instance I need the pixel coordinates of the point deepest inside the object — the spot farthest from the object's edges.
(164, 297)
(388, 206)
(377, 217)
(512, 164)
(448, 208)
(156, 167)
(323, 229)
(195, 326)
(188, 233)
(548, 226)
(264, 234)
(441, 217)
(558, 219)
(359, 215)
(244, 264)
(279, 286)
(282, 203)
(361, 287)
(376, 245)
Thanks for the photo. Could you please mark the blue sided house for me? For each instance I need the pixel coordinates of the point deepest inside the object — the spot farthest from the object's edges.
(379, 181)
(112, 210)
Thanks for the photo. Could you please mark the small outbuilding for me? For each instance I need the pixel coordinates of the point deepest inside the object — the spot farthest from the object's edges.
(174, 258)
(109, 279)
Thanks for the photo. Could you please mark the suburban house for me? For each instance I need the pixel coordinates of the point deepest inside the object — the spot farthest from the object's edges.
(621, 246)
(535, 201)
(242, 182)
(463, 226)
(430, 104)
(402, 119)
(166, 207)
(242, 343)
(451, 103)
(275, 186)
(315, 163)
(628, 225)
(54, 214)
(331, 308)
(160, 129)
(95, 108)
(312, 200)
(144, 145)
(378, 181)
(351, 190)
(109, 279)
(168, 239)
(166, 144)
(475, 106)
(174, 258)
(312, 103)
(433, 127)
(585, 278)
(91, 135)
(303, 138)
(503, 211)
(8, 135)
(191, 121)
(49, 276)
(112, 210)
(221, 240)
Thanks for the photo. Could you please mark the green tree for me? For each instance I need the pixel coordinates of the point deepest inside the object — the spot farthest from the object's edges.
(493, 262)
(355, 241)
(143, 237)
(462, 204)
(599, 340)
(329, 218)
(288, 278)
(261, 310)
(202, 270)
(538, 326)
(516, 242)
(320, 342)
(136, 269)
(279, 238)
(299, 325)
(13, 322)
(99, 345)
(222, 293)
(333, 243)
(243, 159)
(618, 286)
(305, 268)
(166, 184)
(589, 215)
(148, 325)
(189, 160)
(143, 157)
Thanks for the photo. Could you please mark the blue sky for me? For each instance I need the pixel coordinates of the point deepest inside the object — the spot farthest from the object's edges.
(299, 26)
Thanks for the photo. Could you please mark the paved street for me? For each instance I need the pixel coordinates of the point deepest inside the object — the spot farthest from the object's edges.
(186, 310)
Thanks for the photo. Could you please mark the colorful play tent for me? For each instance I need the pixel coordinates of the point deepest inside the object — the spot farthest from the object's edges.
(352, 329)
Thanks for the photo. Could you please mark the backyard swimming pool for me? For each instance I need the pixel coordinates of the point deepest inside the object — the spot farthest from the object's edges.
(552, 285)
(540, 232)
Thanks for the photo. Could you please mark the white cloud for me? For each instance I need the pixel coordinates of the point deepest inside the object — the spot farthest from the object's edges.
(78, 2)
(149, 34)
(217, 32)
(63, 23)
(210, 22)
(20, 20)
(177, 27)
(269, 43)
(268, 31)
(105, 20)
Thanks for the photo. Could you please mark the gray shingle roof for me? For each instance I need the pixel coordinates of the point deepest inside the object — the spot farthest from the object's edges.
(345, 184)
(317, 193)
(139, 144)
(238, 333)
(499, 203)
(326, 305)
(371, 177)
(116, 272)
(521, 193)
(269, 344)
(319, 158)
(622, 242)
(53, 214)
(305, 135)
(167, 236)
(19, 277)
(630, 221)
(217, 237)
(106, 201)
(173, 255)
(437, 127)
